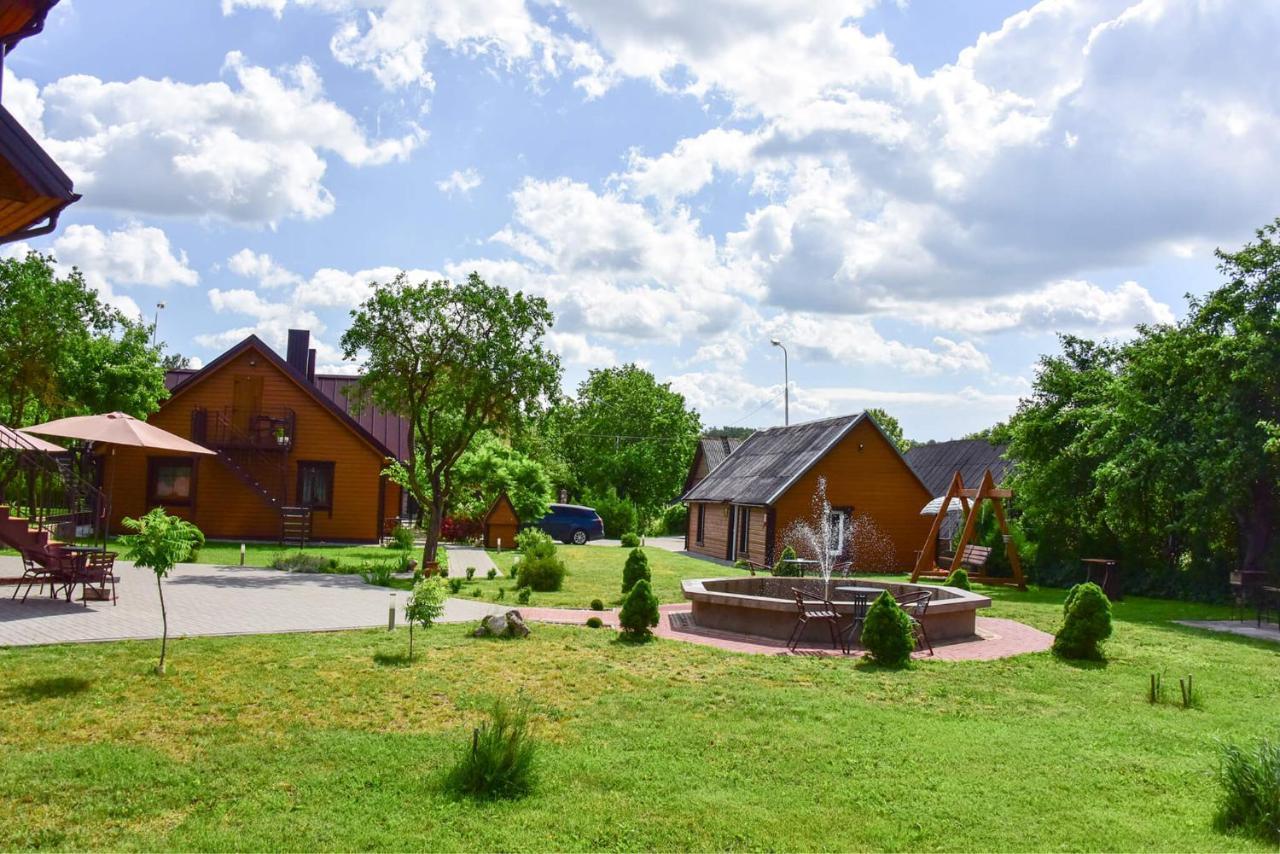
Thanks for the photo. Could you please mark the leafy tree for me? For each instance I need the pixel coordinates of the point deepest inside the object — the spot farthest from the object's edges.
(490, 467)
(729, 432)
(891, 428)
(161, 542)
(630, 432)
(65, 352)
(454, 360)
(425, 604)
(175, 362)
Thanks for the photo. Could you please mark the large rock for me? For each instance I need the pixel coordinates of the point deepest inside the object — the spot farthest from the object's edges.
(508, 625)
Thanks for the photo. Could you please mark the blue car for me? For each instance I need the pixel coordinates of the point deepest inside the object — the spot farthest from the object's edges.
(572, 523)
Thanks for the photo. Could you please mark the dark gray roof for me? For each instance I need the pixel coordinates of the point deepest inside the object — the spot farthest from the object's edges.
(717, 450)
(938, 462)
(769, 461)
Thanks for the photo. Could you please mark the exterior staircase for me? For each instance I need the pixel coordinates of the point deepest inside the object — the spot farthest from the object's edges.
(16, 532)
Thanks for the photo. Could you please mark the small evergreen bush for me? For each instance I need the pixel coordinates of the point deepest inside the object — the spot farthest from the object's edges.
(630, 540)
(1086, 623)
(594, 622)
(491, 574)
(499, 760)
(959, 577)
(597, 605)
(784, 569)
(523, 596)
(1250, 798)
(639, 611)
(886, 632)
(637, 567)
(471, 573)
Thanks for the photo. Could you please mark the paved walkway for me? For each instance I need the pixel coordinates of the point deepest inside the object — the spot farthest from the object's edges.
(1246, 629)
(669, 544)
(461, 557)
(209, 600)
(996, 638)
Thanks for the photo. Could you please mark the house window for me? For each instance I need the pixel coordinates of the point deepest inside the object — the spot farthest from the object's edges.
(744, 530)
(702, 522)
(836, 532)
(170, 481)
(315, 485)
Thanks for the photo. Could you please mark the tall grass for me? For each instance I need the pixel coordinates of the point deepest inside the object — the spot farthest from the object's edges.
(499, 761)
(1250, 781)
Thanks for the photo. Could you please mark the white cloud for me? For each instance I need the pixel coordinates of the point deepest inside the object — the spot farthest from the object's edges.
(263, 268)
(251, 152)
(576, 349)
(461, 182)
(854, 342)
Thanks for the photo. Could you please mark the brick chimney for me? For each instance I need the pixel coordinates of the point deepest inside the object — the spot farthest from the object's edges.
(296, 354)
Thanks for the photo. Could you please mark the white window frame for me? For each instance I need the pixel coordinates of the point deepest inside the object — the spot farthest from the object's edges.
(836, 519)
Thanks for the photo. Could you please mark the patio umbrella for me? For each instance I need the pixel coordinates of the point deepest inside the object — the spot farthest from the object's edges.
(117, 428)
(16, 440)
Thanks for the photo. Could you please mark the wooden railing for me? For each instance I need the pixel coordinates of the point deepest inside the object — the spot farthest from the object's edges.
(264, 429)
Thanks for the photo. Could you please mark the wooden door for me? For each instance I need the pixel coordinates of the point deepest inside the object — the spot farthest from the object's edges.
(246, 401)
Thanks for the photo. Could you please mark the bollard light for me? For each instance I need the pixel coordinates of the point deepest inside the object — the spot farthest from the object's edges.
(499, 543)
(242, 554)
(391, 614)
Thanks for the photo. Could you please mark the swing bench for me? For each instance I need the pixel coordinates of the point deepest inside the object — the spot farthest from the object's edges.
(967, 555)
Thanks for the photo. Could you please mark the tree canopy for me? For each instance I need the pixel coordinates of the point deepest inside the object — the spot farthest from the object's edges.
(891, 428)
(452, 359)
(490, 467)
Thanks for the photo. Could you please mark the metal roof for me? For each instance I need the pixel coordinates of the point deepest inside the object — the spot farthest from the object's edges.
(717, 450)
(768, 462)
(938, 462)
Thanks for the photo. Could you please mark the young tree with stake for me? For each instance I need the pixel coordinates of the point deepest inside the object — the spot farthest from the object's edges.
(161, 542)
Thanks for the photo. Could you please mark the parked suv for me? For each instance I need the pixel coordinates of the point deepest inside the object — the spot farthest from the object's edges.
(572, 523)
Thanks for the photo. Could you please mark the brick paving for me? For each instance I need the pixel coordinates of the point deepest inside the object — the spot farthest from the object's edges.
(997, 638)
(208, 600)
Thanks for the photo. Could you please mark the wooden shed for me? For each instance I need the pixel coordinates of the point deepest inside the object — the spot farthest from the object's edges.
(501, 524)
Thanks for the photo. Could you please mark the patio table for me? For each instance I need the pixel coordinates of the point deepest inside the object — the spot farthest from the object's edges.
(801, 562)
(862, 597)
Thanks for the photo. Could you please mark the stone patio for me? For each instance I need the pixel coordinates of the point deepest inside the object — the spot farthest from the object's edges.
(1246, 629)
(208, 600)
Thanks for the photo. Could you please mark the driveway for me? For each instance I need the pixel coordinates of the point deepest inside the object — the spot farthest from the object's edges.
(209, 600)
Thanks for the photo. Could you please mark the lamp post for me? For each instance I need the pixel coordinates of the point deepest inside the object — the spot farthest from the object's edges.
(786, 384)
(155, 324)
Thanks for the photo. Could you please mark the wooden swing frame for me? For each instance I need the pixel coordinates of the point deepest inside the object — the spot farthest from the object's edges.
(970, 500)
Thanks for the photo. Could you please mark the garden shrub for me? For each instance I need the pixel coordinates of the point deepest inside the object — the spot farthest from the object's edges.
(1250, 798)
(886, 632)
(637, 567)
(524, 595)
(378, 572)
(594, 622)
(630, 540)
(471, 573)
(959, 577)
(455, 530)
(491, 574)
(782, 568)
(597, 605)
(1086, 623)
(540, 567)
(401, 538)
(639, 611)
(618, 514)
(674, 520)
(455, 586)
(475, 593)
(499, 759)
(424, 606)
(303, 562)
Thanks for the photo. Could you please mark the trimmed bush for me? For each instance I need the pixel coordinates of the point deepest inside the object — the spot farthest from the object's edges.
(594, 622)
(471, 573)
(637, 568)
(886, 632)
(959, 577)
(597, 605)
(490, 574)
(523, 596)
(639, 611)
(544, 572)
(455, 586)
(630, 540)
(1086, 623)
(1250, 798)
(499, 760)
(782, 568)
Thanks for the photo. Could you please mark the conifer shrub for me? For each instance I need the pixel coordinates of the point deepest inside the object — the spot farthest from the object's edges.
(639, 612)
(637, 568)
(630, 540)
(782, 568)
(1086, 623)
(594, 622)
(886, 632)
(597, 605)
(959, 577)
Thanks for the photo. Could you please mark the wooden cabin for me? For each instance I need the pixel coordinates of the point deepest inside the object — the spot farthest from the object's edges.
(711, 452)
(281, 443)
(501, 524)
(743, 507)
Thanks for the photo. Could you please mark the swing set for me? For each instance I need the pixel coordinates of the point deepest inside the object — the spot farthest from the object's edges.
(966, 555)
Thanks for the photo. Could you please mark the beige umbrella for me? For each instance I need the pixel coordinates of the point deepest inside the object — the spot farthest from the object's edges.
(16, 440)
(117, 428)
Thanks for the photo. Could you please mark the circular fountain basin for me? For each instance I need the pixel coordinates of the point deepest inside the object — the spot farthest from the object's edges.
(765, 606)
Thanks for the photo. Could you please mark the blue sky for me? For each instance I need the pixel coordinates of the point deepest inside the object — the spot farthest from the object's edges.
(914, 196)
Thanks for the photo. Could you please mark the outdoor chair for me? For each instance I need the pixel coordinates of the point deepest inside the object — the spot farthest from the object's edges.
(817, 610)
(754, 566)
(861, 602)
(40, 568)
(97, 573)
(916, 604)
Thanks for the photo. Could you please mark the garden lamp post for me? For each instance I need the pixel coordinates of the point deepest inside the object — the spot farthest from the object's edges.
(786, 384)
(155, 324)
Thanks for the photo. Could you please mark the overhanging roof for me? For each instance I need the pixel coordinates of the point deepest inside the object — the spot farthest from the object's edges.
(33, 190)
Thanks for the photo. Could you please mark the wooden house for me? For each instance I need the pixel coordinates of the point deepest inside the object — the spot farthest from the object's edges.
(742, 508)
(501, 524)
(711, 452)
(281, 443)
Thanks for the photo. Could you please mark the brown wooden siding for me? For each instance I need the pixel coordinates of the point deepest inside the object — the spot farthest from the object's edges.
(715, 541)
(866, 473)
(224, 507)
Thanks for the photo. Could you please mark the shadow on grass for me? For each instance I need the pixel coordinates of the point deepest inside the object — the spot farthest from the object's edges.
(391, 659)
(45, 689)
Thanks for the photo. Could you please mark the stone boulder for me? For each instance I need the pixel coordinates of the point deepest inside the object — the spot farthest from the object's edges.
(508, 625)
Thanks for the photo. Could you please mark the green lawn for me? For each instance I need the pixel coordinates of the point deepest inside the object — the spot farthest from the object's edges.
(325, 742)
(224, 552)
(595, 572)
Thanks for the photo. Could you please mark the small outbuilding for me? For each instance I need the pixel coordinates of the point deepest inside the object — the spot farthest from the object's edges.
(501, 524)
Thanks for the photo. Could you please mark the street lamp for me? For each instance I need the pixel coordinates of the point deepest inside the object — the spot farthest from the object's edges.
(786, 384)
(155, 324)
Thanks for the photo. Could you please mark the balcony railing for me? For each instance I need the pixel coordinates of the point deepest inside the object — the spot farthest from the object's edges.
(262, 430)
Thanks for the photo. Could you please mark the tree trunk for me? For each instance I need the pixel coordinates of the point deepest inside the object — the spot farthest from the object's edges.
(433, 532)
(411, 640)
(164, 622)
(1256, 522)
